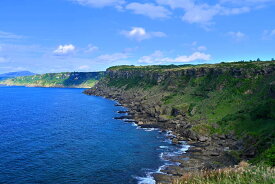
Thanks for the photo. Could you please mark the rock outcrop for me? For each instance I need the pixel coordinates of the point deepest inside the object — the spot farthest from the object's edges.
(145, 93)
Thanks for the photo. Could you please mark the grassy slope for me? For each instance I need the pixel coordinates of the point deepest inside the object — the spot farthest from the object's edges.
(66, 79)
(241, 174)
(218, 103)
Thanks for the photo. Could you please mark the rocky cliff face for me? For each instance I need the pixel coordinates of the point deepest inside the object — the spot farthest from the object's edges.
(209, 106)
(158, 76)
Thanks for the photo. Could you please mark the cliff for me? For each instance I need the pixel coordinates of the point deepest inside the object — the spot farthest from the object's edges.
(226, 110)
(65, 79)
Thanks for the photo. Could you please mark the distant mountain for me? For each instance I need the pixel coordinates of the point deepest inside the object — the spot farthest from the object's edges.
(15, 74)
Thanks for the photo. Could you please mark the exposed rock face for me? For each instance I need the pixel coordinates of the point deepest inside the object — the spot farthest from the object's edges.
(158, 77)
(147, 109)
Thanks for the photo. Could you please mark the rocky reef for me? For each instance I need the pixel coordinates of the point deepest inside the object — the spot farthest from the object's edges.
(224, 111)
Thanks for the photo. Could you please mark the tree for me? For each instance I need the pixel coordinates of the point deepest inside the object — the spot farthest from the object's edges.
(258, 59)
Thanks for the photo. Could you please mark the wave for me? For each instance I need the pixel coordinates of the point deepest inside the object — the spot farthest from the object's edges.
(170, 151)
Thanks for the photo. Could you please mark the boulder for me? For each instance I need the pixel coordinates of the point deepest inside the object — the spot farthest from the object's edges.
(163, 178)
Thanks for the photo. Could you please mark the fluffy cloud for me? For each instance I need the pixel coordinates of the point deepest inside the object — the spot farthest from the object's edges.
(237, 36)
(139, 34)
(64, 50)
(193, 11)
(100, 3)
(158, 58)
(6, 35)
(201, 13)
(148, 9)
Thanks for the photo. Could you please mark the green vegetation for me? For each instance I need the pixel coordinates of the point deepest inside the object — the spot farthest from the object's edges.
(147, 68)
(66, 79)
(221, 98)
(163, 68)
(242, 174)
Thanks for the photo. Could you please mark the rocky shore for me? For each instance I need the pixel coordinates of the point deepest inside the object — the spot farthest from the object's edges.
(211, 152)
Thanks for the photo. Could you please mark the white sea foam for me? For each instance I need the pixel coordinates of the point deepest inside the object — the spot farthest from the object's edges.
(168, 141)
(150, 129)
(163, 147)
(146, 180)
(184, 148)
(134, 124)
(161, 168)
(164, 156)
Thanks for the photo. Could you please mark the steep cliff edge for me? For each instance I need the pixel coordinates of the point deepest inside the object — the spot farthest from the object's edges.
(64, 79)
(226, 109)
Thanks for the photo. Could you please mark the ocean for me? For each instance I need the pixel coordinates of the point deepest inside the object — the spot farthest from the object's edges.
(58, 135)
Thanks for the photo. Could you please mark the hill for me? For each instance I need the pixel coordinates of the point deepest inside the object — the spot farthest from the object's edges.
(225, 111)
(15, 74)
(65, 79)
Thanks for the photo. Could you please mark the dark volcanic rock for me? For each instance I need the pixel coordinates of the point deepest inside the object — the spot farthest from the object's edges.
(122, 112)
(147, 110)
(163, 178)
(124, 117)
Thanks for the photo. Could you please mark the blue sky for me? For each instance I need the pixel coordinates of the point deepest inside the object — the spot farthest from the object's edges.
(91, 35)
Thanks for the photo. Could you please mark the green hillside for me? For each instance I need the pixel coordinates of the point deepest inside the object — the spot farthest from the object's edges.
(217, 99)
(65, 79)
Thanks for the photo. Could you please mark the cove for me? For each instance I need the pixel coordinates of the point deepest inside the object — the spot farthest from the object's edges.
(56, 135)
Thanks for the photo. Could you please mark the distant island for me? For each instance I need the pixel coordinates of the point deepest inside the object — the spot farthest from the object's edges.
(64, 79)
(15, 74)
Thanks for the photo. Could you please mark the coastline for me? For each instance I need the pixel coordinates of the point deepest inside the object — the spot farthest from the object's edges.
(169, 155)
(41, 86)
(203, 153)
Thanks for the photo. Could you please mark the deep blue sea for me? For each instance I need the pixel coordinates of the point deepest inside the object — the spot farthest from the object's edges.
(58, 136)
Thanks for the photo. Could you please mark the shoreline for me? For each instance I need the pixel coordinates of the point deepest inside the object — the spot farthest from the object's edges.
(37, 86)
(204, 153)
(168, 157)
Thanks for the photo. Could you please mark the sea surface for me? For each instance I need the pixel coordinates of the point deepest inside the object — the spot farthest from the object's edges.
(58, 136)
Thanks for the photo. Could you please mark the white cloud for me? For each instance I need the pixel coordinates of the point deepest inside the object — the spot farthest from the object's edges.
(234, 11)
(91, 48)
(83, 67)
(6, 35)
(139, 34)
(64, 50)
(100, 3)
(202, 48)
(154, 58)
(3, 60)
(148, 9)
(246, 1)
(108, 58)
(237, 36)
(193, 11)
(201, 13)
(268, 34)
(158, 58)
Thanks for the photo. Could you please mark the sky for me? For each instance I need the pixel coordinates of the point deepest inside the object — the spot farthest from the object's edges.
(92, 35)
